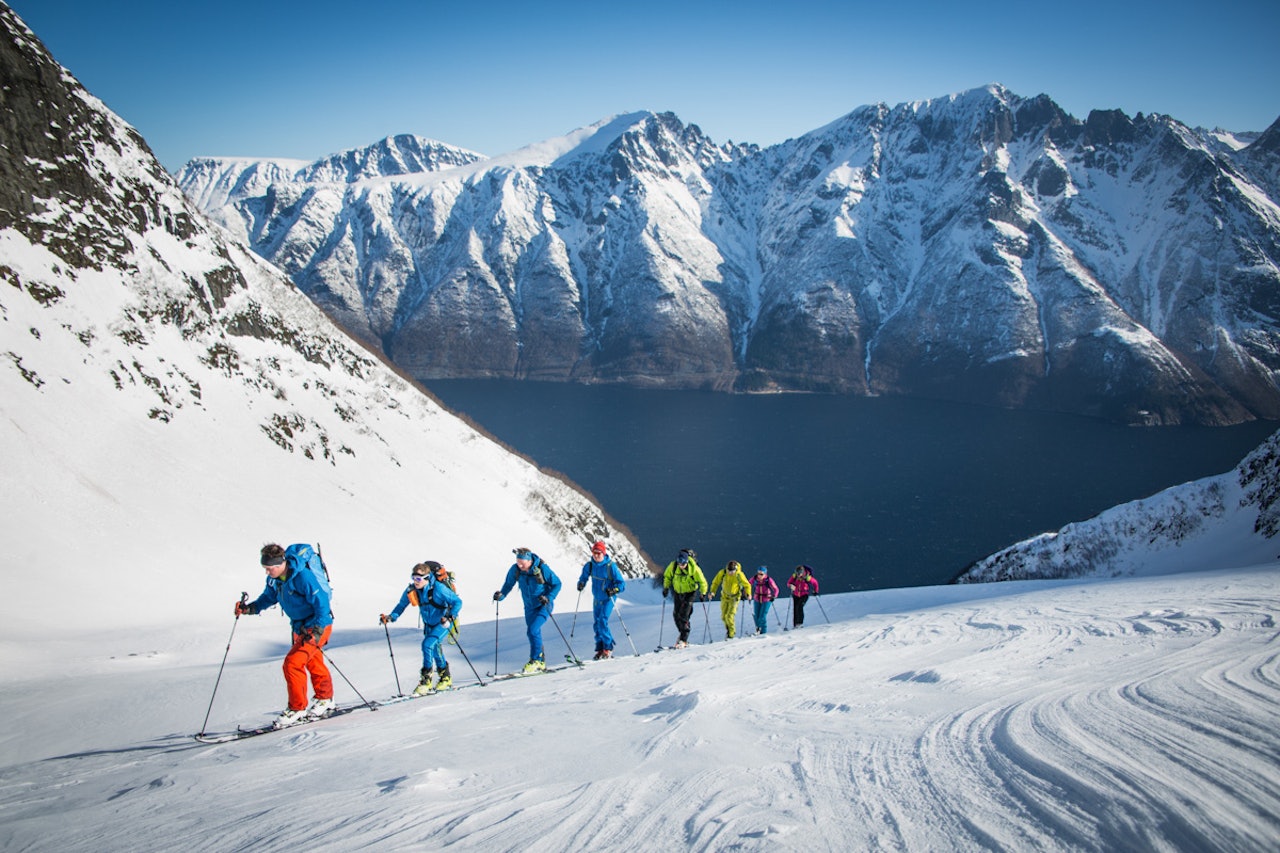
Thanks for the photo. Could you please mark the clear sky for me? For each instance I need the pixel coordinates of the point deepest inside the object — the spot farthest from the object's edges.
(283, 78)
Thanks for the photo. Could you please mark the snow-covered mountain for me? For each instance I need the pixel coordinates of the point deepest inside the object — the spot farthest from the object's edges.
(169, 402)
(1229, 520)
(983, 247)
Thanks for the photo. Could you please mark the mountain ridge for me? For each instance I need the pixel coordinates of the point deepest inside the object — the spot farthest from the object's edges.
(982, 247)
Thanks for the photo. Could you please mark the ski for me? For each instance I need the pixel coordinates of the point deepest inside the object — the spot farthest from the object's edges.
(506, 676)
(406, 697)
(241, 732)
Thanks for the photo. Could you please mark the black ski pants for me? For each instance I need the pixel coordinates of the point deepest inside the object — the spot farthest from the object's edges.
(797, 604)
(682, 612)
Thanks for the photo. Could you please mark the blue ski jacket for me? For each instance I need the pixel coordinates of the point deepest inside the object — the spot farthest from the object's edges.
(605, 576)
(435, 602)
(300, 596)
(538, 581)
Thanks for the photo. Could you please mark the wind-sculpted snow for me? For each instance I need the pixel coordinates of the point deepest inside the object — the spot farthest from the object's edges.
(1230, 519)
(1121, 714)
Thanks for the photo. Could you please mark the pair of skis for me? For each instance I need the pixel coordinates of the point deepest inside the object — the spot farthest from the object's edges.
(241, 732)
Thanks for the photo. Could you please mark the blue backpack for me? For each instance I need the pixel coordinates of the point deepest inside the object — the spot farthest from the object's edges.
(303, 556)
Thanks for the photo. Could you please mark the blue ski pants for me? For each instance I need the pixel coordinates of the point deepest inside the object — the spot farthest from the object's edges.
(432, 653)
(602, 611)
(534, 619)
(761, 614)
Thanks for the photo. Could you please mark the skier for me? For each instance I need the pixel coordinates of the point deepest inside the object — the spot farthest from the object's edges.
(439, 606)
(802, 584)
(606, 582)
(306, 602)
(763, 592)
(734, 587)
(685, 579)
(539, 587)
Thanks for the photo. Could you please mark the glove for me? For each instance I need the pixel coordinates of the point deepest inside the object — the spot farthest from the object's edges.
(746, 596)
(702, 597)
(384, 619)
(665, 591)
(612, 591)
(307, 635)
(497, 596)
(582, 585)
(543, 600)
(243, 608)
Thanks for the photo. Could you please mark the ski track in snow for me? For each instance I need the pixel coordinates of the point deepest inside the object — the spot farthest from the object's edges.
(1136, 714)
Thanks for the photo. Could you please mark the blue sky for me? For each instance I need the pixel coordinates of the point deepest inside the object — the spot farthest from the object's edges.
(295, 79)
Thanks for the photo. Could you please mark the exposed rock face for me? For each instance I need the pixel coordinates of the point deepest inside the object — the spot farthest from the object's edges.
(126, 314)
(983, 247)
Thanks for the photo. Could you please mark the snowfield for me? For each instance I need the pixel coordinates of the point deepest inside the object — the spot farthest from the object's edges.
(1137, 713)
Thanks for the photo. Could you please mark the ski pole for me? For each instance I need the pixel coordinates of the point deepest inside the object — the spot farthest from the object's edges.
(468, 660)
(706, 621)
(787, 622)
(387, 631)
(572, 653)
(820, 607)
(244, 597)
(775, 612)
(496, 605)
(662, 623)
(617, 608)
(329, 661)
(575, 613)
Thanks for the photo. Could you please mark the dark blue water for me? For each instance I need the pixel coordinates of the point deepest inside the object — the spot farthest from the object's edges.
(873, 493)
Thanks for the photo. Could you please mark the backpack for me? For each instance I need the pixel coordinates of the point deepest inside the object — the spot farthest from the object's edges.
(442, 574)
(303, 556)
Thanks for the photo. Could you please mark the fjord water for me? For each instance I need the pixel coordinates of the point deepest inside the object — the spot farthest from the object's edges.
(871, 492)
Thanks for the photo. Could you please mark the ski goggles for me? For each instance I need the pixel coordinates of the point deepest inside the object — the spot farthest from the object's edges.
(416, 578)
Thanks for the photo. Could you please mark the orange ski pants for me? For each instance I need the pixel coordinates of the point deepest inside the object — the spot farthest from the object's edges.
(304, 657)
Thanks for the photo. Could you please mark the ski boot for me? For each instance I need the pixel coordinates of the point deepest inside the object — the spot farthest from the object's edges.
(534, 666)
(320, 708)
(446, 681)
(424, 684)
(290, 717)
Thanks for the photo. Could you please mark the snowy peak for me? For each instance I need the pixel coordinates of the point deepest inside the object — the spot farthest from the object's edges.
(982, 247)
(213, 182)
(404, 154)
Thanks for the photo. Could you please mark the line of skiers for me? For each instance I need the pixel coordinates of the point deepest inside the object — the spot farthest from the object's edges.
(298, 581)
(684, 581)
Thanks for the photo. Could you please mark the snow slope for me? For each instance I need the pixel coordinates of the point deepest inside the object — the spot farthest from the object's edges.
(169, 402)
(1060, 715)
(1228, 520)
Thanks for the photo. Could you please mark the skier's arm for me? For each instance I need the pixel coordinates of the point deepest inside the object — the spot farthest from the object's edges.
(399, 608)
(267, 599)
